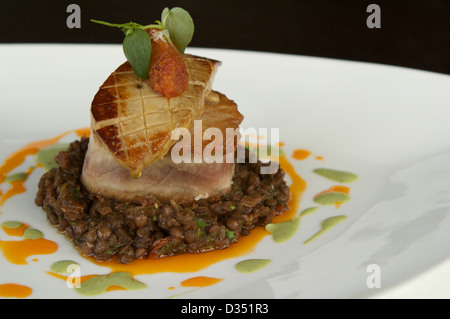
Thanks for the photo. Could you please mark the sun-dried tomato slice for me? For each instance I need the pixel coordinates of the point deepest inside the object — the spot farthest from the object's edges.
(167, 72)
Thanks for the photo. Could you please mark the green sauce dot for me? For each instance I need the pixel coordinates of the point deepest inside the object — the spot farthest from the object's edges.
(12, 224)
(308, 211)
(331, 198)
(251, 265)
(32, 233)
(61, 267)
(99, 284)
(46, 156)
(283, 231)
(335, 175)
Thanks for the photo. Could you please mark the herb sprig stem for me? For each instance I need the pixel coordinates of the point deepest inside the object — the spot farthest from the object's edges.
(176, 24)
(132, 25)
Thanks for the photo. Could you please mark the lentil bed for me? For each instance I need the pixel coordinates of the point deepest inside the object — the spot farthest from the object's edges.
(107, 229)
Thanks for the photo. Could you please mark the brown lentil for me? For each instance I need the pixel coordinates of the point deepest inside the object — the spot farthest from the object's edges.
(107, 229)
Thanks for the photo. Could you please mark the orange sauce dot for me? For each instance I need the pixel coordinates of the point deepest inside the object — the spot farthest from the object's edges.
(300, 154)
(14, 291)
(200, 281)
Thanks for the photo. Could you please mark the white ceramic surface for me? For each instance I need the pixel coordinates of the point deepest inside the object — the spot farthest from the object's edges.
(387, 124)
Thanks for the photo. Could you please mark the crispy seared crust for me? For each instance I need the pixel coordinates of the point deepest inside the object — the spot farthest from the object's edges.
(220, 113)
(165, 179)
(135, 123)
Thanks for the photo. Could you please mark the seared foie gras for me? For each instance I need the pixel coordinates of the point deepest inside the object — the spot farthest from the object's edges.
(135, 123)
(165, 179)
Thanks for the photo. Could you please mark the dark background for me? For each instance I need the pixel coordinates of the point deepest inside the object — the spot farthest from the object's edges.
(414, 33)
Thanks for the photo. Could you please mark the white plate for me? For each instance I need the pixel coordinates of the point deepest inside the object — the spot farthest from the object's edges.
(387, 124)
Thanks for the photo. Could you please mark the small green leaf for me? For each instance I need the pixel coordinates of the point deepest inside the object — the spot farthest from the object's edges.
(137, 48)
(180, 25)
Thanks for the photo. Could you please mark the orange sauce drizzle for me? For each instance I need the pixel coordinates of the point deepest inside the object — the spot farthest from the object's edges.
(19, 231)
(18, 157)
(200, 281)
(14, 291)
(17, 187)
(296, 189)
(188, 262)
(17, 251)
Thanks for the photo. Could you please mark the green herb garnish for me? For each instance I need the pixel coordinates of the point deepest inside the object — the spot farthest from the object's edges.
(200, 223)
(230, 234)
(178, 28)
(137, 48)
